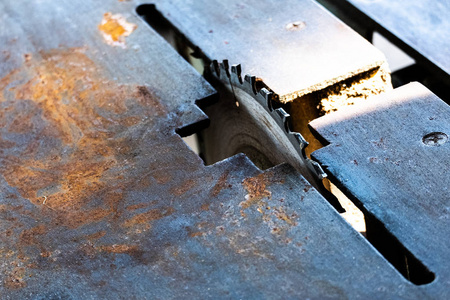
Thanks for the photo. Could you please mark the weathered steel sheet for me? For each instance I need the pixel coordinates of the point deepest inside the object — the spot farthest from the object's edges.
(100, 198)
(423, 25)
(392, 156)
(295, 47)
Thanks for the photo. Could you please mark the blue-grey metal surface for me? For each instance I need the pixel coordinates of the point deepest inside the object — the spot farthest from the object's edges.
(423, 25)
(392, 156)
(100, 198)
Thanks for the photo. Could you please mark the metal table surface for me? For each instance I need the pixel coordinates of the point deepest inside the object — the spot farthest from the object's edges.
(423, 25)
(100, 197)
(392, 156)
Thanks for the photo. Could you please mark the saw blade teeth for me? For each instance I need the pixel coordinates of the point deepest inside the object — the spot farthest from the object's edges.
(236, 74)
(224, 69)
(317, 169)
(284, 116)
(269, 100)
(250, 82)
(267, 97)
(215, 69)
(300, 139)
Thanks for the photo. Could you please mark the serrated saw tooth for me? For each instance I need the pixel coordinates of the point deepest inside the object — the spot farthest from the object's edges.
(269, 101)
(317, 169)
(284, 116)
(236, 74)
(215, 69)
(225, 67)
(300, 139)
(267, 97)
(250, 82)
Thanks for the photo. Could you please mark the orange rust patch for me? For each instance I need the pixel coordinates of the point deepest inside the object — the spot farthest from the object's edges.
(194, 234)
(75, 219)
(256, 188)
(28, 236)
(96, 235)
(183, 188)
(151, 215)
(138, 206)
(115, 28)
(15, 280)
(66, 93)
(121, 248)
(205, 206)
(221, 184)
(162, 178)
(61, 96)
(282, 215)
(46, 254)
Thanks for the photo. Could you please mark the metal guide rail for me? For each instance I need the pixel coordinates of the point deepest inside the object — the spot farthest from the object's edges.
(101, 198)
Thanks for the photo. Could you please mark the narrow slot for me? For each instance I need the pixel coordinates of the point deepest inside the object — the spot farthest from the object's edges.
(387, 245)
(406, 263)
(396, 58)
(164, 28)
(353, 215)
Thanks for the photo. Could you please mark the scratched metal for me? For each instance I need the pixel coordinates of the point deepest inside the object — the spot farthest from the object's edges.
(392, 155)
(295, 47)
(100, 198)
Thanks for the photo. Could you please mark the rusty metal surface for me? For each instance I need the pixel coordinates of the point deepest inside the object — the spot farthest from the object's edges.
(392, 156)
(295, 47)
(100, 198)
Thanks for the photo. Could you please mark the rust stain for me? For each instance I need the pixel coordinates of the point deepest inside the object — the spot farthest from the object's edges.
(151, 215)
(65, 94)
(221, 184)
(139, 206)
(282, 215)
(183, 187)
(75, 219)
(96, 236)
(15, 279)
(115, 28)
(256, 189)
(205, 206)
(119, 248)
(194, 234)
(162, 178)
(28, 236)
(70, 157)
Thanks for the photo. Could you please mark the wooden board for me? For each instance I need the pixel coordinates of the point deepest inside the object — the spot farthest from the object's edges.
(392, 156)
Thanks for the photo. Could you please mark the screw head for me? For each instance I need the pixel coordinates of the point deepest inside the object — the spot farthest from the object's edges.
(297, 25)
(435, 139)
